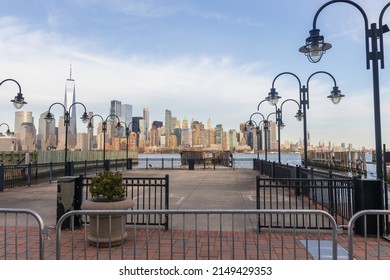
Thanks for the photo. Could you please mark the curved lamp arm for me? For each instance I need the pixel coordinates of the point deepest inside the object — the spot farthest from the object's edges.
(8, 132)
(273, 96)
(315, 46)
(18, 101)
(90, 126)
(335, 94)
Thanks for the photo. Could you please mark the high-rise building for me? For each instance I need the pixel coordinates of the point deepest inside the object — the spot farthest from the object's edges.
(46, 138)
(209, 124)
(24, 125)
(70, 92)
(115, 109)
(273, 141)
(184, 124)
(146, 124)
(218, 134)
(168, 125)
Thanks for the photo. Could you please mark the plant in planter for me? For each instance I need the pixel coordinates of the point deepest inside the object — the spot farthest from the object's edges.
(107, 193)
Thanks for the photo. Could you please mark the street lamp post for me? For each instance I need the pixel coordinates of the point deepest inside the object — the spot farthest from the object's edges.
(104, 128)
(315, 47)
(49, 118)
(279, 118)
(128, 131)
(265, 121)
(18, 101)
(252, 124)
(273, 98)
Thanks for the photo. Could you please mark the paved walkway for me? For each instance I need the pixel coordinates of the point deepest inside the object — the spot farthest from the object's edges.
(199, 189)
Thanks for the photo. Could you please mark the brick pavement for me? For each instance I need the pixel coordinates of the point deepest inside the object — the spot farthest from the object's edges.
(226, 189)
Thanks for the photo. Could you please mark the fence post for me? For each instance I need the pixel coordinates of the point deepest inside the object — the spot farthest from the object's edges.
(273, 170)
(29, 174)
(258, 202)
(50, 171)
(166, 200)
(129, 163)
(1, 177)
(297, 176)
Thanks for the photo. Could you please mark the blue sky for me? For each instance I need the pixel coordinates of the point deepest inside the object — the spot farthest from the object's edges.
(200, 59)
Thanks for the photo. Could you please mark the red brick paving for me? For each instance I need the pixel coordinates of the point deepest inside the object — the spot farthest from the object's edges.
(177, 245)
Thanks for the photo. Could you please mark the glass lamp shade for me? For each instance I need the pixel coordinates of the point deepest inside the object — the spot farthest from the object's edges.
(299, 115)
(84, 118)
(49, 117)
(18, 101)
(273, 97)
(315, 46)
(336, 95)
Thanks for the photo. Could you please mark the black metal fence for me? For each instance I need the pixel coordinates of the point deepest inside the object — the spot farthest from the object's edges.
(12, 176)
(279, 170)
(335, 196)
(148, 193)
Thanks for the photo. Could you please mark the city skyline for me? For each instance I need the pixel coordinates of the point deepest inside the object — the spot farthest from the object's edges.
(52, 135)
(200, 60)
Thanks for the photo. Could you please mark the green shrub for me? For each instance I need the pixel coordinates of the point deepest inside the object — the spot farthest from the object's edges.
(107, 185)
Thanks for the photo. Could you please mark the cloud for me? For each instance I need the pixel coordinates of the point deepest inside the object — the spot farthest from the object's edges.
(198, 86)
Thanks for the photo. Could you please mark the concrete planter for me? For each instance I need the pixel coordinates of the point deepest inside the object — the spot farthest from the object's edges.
(100, 233)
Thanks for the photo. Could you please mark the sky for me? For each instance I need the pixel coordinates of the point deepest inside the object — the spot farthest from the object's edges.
(199, 59)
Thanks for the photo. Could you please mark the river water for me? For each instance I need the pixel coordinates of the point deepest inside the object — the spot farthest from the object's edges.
(240, 161)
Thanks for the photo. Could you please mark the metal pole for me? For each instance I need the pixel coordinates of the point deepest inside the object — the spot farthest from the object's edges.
(127, 151)
(104, 145)
(377, 114)
(266, 140)
(304, 103)
(67, 171)
(279, 142)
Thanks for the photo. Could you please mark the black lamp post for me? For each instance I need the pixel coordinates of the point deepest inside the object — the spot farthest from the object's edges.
(279, 118)
(265, 127)
(315, 47)
(8, 132)
(128, 131)
(104, 128)
(273, 98)
(249, 125)
(18, 101)
(49, 118)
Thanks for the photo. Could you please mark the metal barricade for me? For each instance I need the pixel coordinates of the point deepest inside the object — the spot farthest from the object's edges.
(375, 246)
(201, 234)
(20, 236)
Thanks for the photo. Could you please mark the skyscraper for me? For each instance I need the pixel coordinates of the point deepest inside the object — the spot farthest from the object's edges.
(146, 120)
(70, 91)
(168, 125)
(115, 109)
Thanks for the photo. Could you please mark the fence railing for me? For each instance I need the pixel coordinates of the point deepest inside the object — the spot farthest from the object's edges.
(334, 196)
(12, 176)
(279, 170)
(198, 234)
(203, 234)
(369, 225)
(21, 234)
(148, 193)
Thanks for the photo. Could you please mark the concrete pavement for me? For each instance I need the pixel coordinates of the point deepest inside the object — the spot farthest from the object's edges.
(189, 189)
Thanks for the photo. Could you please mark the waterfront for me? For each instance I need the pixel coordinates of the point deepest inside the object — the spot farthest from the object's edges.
(240, 161)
